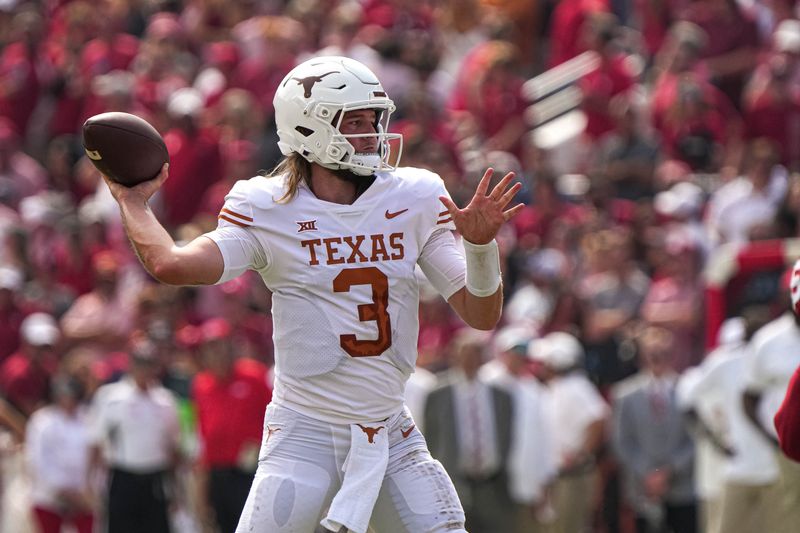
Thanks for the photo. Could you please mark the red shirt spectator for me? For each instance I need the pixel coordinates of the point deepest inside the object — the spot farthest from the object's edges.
(101, 56)
(195, 159)
(10, 313)
(231, 396)
(19, 81)
(25, 376)
(566, 27)
(488, 94)
(693, 118)
(654, 18)
(397, 15)
(730, 52)
(772, 107)
(21, 175)
(230, 410)
(599, 87)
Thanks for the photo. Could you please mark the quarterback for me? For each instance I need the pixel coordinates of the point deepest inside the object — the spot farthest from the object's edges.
(335, 232)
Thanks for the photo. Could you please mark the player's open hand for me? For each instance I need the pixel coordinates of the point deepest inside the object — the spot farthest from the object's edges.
(480, 221)
(145, 190)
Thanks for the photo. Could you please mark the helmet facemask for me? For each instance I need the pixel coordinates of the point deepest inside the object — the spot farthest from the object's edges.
(343, 153)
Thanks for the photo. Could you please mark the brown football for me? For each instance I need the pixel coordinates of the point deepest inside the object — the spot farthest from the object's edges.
(124, 147)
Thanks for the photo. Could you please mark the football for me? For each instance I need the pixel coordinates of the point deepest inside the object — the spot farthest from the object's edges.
(124, 147)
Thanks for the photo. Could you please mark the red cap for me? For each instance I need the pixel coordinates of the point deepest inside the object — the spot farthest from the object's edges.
(222, 53)
(163, 25)
(235, 287)
(215, 329)
(106, 261)
(188, 336)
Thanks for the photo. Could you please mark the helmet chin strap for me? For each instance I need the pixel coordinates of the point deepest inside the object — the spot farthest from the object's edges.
(366, 160)
(367, 163)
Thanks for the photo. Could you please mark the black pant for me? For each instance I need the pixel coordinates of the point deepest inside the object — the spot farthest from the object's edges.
(677, 519)
(137, 503)
(227, 492)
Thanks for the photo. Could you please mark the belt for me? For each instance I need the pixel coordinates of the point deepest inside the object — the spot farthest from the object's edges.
(482, 478)
(139, 475)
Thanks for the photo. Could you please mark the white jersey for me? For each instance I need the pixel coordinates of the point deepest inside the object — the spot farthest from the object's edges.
(344, 293)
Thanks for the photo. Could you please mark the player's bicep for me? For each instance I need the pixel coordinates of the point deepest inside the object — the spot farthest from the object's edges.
(238, 251)
(442, 262)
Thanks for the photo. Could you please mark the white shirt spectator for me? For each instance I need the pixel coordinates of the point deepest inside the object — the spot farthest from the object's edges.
(574, 405)
(769, 368)
(709, 461)
(530, 304)
(57, 450)
(531, 462)
(736, 208)
(139, 430)
(722, 382)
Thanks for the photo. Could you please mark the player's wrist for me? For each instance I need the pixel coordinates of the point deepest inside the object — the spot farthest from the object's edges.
(483, 268)
(129, 197)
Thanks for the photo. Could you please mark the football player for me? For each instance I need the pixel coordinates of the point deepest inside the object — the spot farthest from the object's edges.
(335, 232)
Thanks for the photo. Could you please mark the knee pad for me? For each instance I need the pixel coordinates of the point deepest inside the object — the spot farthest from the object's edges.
(287, 501)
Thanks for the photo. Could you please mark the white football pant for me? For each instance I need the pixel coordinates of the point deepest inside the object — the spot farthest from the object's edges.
(300, 471)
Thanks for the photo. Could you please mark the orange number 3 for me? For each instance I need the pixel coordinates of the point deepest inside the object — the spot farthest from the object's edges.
(374, 311)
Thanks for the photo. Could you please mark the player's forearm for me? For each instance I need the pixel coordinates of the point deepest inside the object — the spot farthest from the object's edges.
(483, 311)
(480, 302)
(153, 244)
(479, 312)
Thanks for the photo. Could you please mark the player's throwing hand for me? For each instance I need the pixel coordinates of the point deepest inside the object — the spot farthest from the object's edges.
(146, 189)
(480, 221)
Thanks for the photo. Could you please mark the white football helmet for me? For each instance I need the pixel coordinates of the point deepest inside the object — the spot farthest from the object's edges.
(311, 102)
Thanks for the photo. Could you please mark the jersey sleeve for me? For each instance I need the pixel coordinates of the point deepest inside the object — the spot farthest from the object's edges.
(443, 218)
(442, 262)
(241, 250)
(441, 259)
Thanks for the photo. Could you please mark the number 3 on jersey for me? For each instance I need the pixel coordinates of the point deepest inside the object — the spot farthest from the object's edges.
(374, 311)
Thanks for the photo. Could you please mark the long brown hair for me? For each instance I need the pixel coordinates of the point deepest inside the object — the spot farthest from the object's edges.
(297, 169)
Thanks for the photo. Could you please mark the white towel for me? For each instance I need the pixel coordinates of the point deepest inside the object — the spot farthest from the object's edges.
(364, 469)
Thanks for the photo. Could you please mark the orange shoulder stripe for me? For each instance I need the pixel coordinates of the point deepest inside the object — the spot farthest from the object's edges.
(232, 221)
(237, 215)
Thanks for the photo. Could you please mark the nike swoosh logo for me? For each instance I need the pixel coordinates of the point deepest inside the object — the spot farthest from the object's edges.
(390, 216)
(407, 432)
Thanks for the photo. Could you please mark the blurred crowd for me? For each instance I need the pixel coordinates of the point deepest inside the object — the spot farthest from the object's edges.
(598, 406)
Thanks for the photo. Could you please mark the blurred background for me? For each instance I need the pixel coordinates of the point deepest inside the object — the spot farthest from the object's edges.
(647, 337)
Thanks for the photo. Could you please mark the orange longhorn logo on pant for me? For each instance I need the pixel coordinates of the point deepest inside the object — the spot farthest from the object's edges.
(270, 431)
(371, 432)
